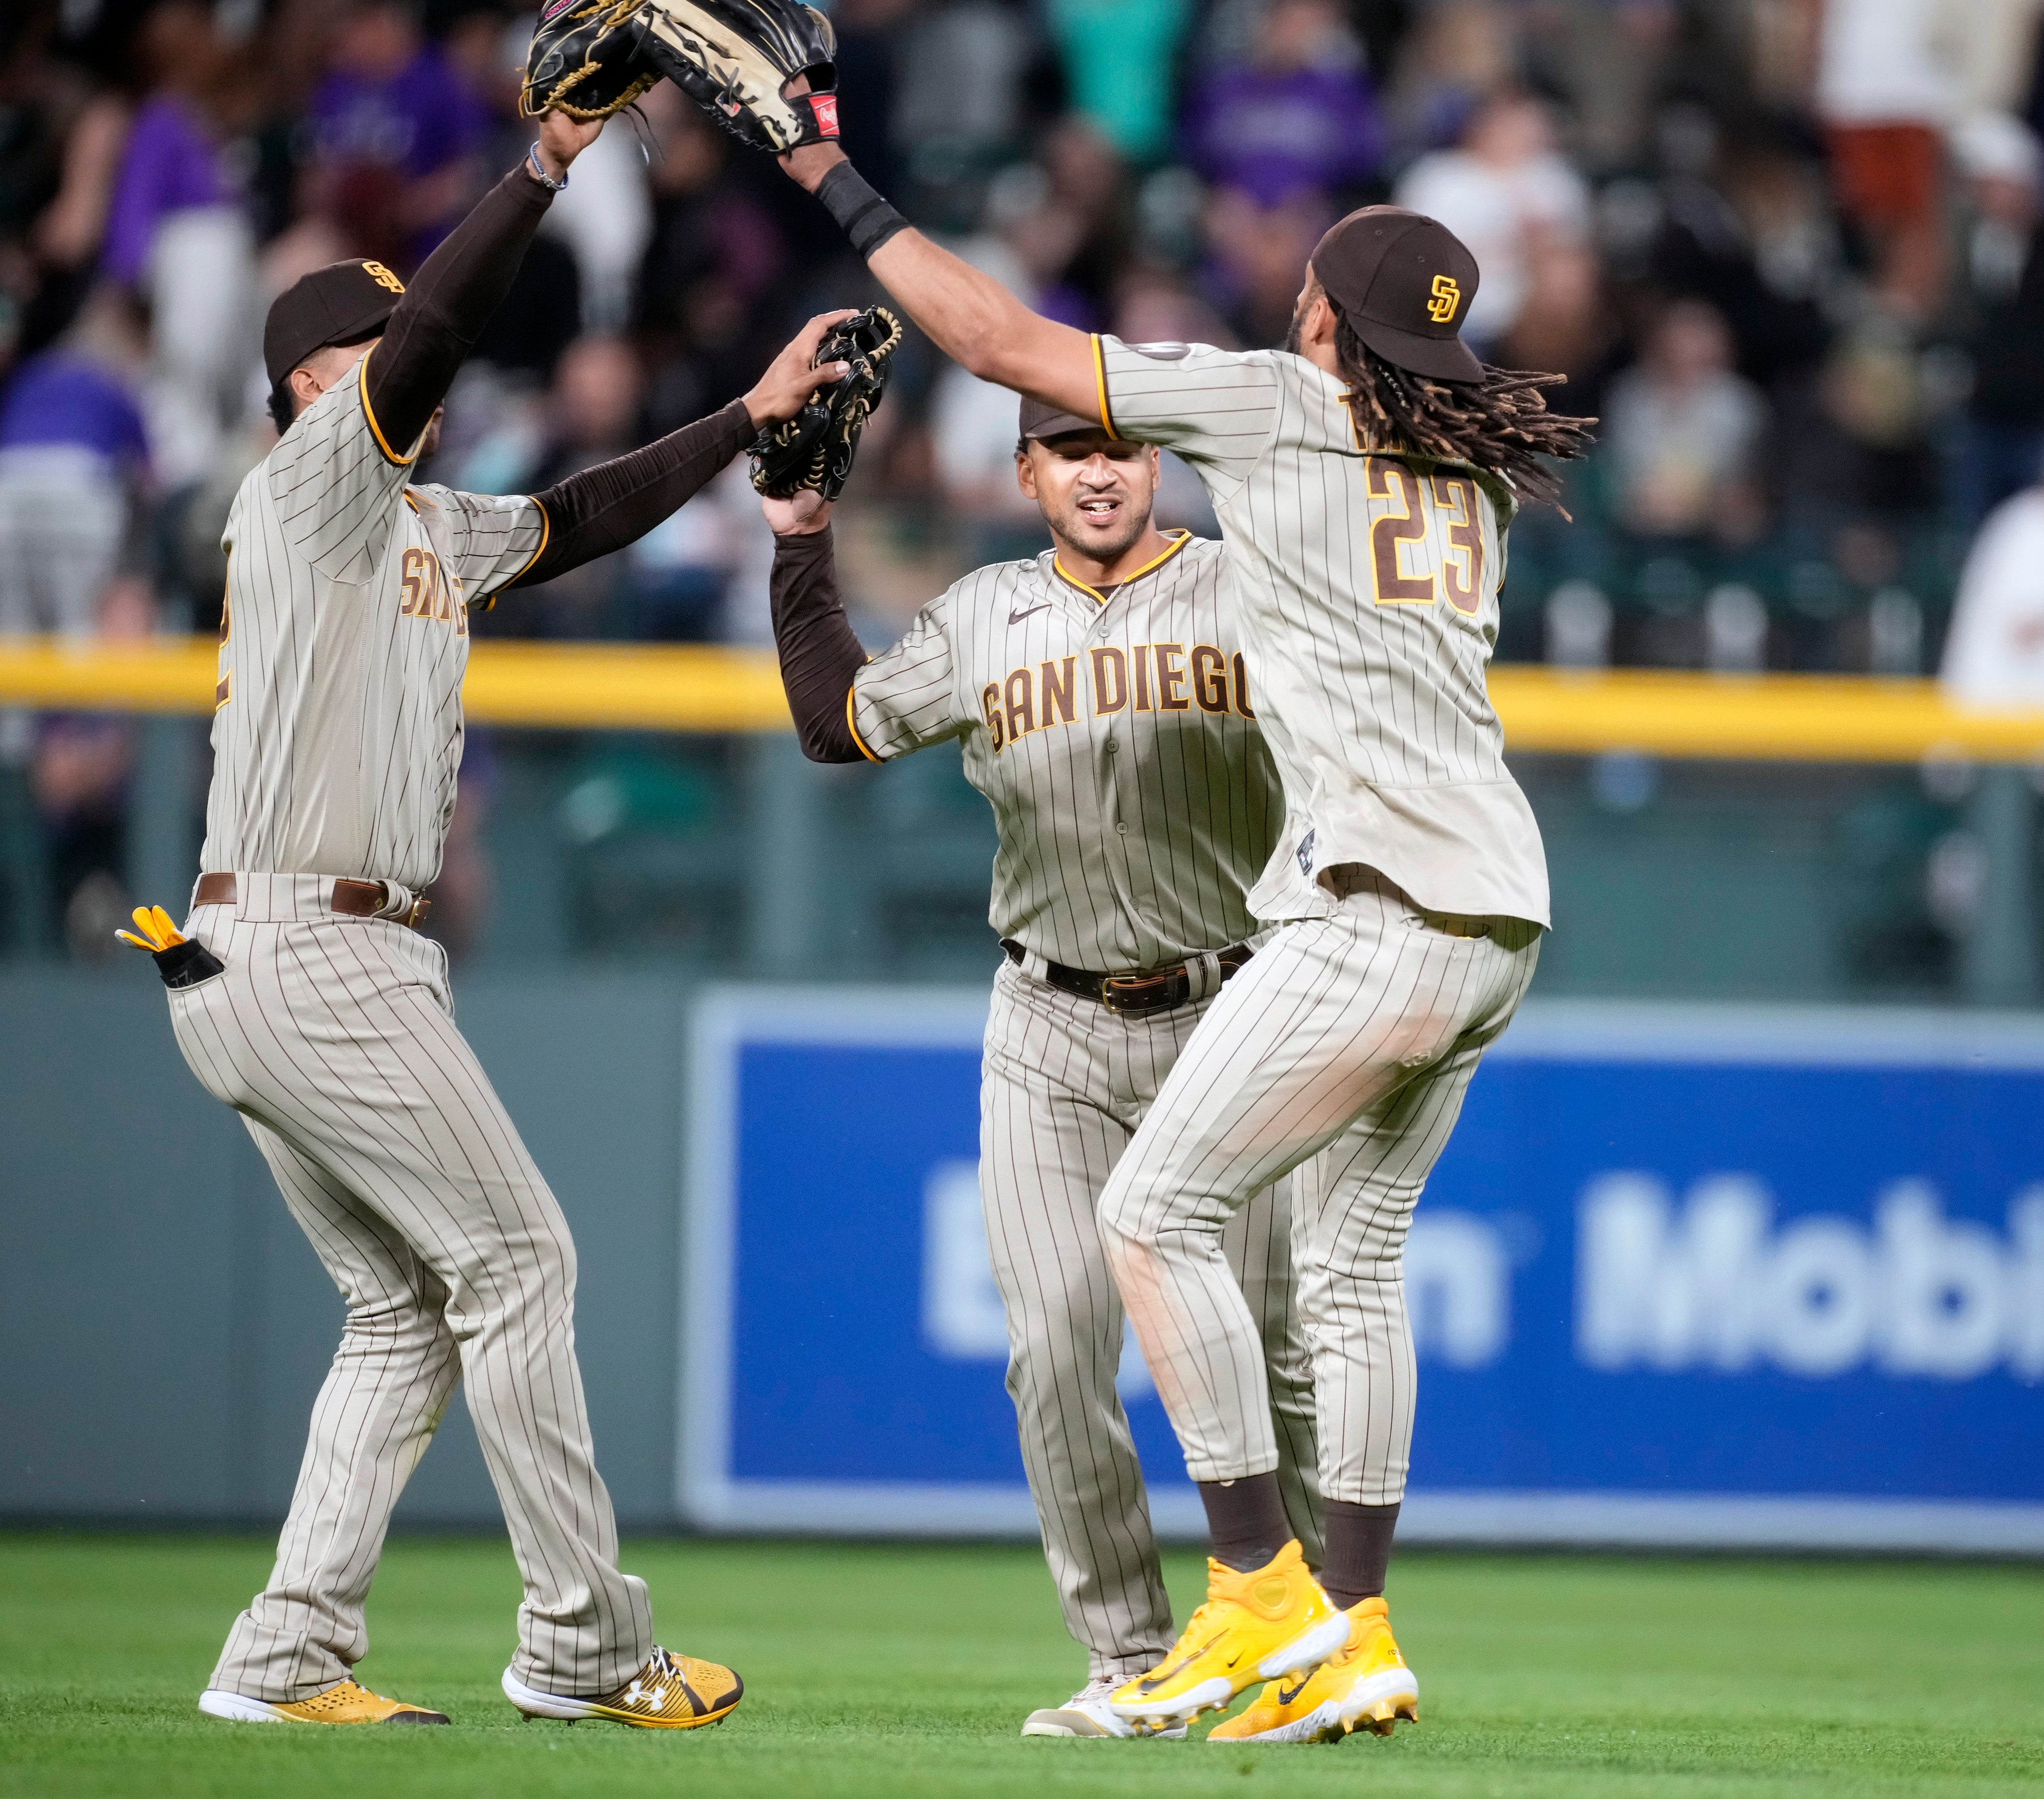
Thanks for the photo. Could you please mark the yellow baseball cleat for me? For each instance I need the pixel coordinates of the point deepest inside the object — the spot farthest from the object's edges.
(1270, 1621)
(1366, 1686)
(670, 1692)
(347, 1704)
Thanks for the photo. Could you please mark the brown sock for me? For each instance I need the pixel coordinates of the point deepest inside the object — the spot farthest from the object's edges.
(1358, 1552)
(1246, 1518)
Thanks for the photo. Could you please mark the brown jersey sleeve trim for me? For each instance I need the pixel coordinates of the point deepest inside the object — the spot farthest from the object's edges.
(851, 721)
(617, 502)
(821, 655)
(438, 319)
(369, 413)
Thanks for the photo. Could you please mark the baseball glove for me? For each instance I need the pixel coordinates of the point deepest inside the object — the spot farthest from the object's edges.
(733, 57)
(585, 60)
(815, 448)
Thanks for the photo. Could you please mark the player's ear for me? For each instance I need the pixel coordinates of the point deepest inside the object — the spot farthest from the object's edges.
(1025, 472)
(305, 387)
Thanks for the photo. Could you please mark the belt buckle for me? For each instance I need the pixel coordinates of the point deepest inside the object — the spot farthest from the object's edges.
(1114, 997)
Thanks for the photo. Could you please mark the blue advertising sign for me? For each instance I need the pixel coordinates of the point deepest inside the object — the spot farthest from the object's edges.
(1685, 1275)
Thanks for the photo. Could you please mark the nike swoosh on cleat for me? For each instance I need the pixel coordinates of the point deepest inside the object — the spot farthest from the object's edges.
(1287, 1694)
(1016, 618)
(1151, 1682)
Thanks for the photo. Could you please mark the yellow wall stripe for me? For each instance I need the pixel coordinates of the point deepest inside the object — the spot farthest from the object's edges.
(702, 687)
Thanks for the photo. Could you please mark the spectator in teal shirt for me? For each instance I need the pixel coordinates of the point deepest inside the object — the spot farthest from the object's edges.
(1120, 60)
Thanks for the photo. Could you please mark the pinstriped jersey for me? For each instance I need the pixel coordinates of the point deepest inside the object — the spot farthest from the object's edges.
(1114, 734)
(344, 639)
(1367, 588)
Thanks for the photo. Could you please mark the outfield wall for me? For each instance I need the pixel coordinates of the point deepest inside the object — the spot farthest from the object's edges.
(1689, 1276)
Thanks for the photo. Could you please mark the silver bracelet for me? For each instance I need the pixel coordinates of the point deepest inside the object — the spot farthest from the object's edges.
(539, 172)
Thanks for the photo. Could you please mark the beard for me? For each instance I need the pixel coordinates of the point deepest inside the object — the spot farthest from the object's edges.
(1295, 333)
(1134, 521)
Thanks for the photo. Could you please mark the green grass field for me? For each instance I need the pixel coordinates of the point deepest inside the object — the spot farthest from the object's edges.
(902, 1672)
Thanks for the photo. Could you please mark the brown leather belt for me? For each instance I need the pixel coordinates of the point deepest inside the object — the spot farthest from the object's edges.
(351, 898)
(1157, 990)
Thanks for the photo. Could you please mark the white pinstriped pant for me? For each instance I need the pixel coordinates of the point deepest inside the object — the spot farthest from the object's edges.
(335, 1038)
(1067, 1081)
(1343, 1050)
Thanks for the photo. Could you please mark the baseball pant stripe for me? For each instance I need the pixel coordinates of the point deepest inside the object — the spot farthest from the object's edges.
(335, 1040)
(1065, 1084)
(1351, 1039)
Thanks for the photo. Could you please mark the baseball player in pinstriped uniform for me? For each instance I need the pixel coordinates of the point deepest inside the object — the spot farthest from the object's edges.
(1364, 477)
(330, 1027)
(1103, 704)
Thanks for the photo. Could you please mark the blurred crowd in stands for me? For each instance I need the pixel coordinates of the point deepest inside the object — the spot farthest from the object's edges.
(1787, 250)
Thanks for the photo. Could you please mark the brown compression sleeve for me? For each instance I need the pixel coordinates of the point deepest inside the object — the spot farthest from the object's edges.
(444, 310)
(617, 502)
(819, 653)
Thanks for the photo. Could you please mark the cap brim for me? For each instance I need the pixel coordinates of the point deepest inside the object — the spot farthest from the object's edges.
(1062, 425)
(369, 322)
(1440, 359)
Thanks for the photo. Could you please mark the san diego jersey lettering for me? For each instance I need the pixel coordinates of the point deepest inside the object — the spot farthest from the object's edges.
(1115, 737)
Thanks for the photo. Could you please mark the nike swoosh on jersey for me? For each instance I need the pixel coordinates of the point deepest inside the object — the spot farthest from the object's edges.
(1016, 618)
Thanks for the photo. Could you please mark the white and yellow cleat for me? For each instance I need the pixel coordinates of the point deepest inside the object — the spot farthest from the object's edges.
(670, 1692)
(1259, 1625)
(1087, 1713)
(347, 1704)
(1366, 1686)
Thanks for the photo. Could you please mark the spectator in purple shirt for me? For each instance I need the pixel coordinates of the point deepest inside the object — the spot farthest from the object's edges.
(170, 165)
(179, 236)
(72, 452)
(1301, 116)
(395, 132)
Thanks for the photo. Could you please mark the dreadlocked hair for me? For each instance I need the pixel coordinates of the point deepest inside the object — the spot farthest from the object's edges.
(1500, 423)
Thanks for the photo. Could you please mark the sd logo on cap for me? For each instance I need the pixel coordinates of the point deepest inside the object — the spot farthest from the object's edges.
(1402, 280)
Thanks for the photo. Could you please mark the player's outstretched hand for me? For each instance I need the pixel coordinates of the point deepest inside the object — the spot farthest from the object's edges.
(803, 512)
(807, 164)
(791, 378)
(562, 139)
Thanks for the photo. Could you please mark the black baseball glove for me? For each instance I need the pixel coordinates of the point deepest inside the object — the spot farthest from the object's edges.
(585, 60)
(816, 447)
(733, 57)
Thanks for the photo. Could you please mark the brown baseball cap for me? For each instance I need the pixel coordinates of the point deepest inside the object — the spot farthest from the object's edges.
(1043, 422)
(1404, 281)
(342, 303)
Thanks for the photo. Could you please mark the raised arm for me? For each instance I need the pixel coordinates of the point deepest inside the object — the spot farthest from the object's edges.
(461, 284)
(820, 652)
(617, 502)
(970, 316)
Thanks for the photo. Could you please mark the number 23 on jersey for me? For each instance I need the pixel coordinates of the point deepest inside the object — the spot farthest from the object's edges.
(1438, 524)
